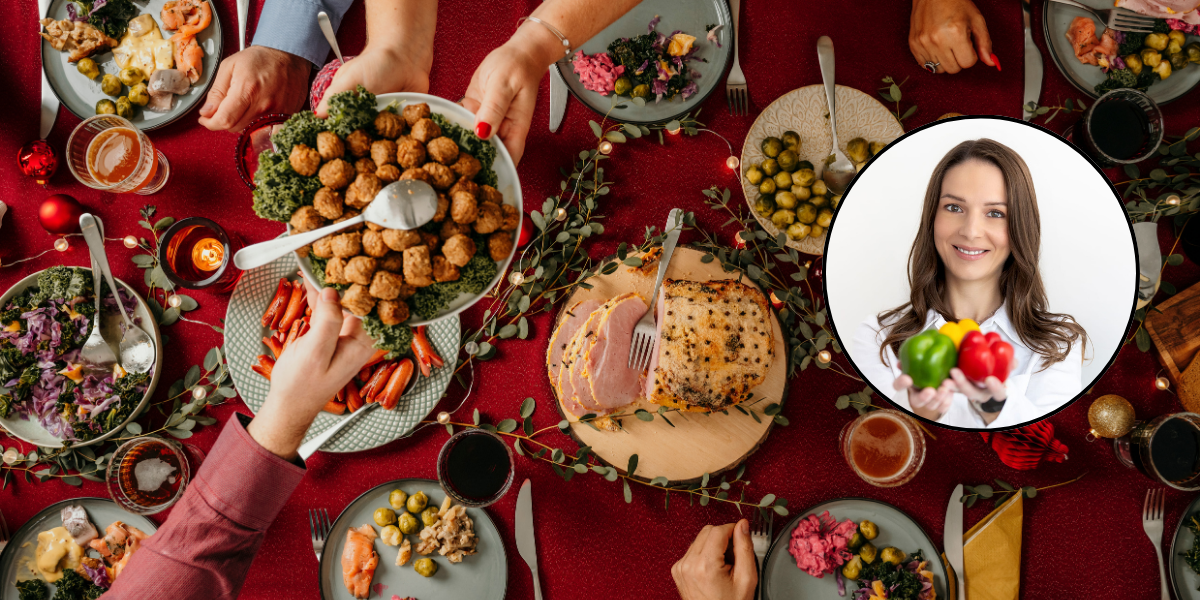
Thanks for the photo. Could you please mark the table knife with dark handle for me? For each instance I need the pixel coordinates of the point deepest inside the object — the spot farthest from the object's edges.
(1033, 64)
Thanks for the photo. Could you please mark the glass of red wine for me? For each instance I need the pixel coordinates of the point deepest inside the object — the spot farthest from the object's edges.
(148, 474)
(475, 468)
(1121, 127)
(1166, 449)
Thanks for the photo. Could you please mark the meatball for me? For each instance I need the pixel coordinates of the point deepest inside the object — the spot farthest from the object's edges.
(374, 227)
(441, 177)
(444, 270)
(406, 291)
(500, 244)
(512, 217)
(364, 165)
(459, 249)
(401, 239)
(347, 245)
(467, 166)
(418, 174)
(304, 252)
(323, 248)
(393, 312)
(463, 208)
(330, 146)
(383, 152)
(385, 285)
(372, 242)
(415, 112)
(451, 229)
(410, 153)
(363, 190)
(335, 271)
(464, 185)
(361, 269)
(490, 218)
(393, 262)
(488, 193)
(348, 214)
(328, 202)
(443, 150)
(305, 160)
(358, 301)
(442, 207)
(359, 143)
(425, 130)
(336, 174)
(389, 124)
(306, 218)
(388, 173)
(431, 240)
(417, 266)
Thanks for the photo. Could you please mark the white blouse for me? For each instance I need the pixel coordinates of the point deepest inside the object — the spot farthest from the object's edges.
(1032, 393)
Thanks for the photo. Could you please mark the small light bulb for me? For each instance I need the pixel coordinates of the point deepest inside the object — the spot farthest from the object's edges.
(673, 130)
(516, 278)
(606, 147)
(808, 264)
(174, 301)
(200, 393)
(824, 357)
(443, 417)
(61, 244)
(732, 162)
(1173, 200)
(1162, 383)
(130, 241)
(776, 302)
(10, 456)
(560, 214)
(738, 241)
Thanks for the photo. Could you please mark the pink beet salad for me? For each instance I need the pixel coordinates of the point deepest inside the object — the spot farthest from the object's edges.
(821, 544)
(597, 72)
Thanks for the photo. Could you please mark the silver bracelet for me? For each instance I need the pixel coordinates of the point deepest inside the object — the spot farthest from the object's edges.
(558, 34)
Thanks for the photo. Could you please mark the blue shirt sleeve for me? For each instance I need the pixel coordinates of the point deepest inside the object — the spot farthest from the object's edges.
(291, 26)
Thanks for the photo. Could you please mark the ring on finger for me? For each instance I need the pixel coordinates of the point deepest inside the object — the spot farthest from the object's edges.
(931, 66)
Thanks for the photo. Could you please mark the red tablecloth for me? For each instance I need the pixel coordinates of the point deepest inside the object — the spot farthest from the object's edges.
(1083, 540)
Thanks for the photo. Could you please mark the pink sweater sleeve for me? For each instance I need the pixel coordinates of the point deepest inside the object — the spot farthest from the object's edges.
(205, 548)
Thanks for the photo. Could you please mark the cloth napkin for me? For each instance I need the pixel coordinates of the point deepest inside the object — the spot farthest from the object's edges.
(992, 554)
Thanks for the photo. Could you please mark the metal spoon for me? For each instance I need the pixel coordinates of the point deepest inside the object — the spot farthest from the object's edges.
(96, 354)
(406, 204)
(310, 447)
(327, 29)
(137, 347)
(839, 173)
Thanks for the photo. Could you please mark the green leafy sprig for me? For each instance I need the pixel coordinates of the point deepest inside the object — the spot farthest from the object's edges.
(892, 93)
(974, 493)
(861, 402)
(1034, 111)
(158, 287)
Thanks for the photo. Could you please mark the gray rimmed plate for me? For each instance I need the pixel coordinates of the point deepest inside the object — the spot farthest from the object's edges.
(690, 16)
(80, 94)
(102, 511)
(782, 580)
(1183, 579)
(243, 343)
(481, 576)
(33, 432)
(1057, 17)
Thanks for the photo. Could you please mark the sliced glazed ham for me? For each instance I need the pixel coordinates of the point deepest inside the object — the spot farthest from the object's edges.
(606, 366)
(1187, 11)
(575, 318)
(572, 365)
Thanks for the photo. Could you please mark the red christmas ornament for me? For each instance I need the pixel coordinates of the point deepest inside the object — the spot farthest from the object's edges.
(323, 79)
(526, 232)
(60, 214)
(38, 161)
(1026, 447)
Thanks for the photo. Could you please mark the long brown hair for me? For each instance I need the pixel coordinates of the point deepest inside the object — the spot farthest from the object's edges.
(1047, 334)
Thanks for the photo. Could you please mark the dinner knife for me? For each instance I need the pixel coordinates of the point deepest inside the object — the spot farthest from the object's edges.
(243, 8)
(49, 99)
(952, 543)
(558, 97)
(1033, 64)
(524, 532)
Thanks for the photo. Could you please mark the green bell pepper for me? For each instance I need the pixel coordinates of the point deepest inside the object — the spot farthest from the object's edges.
(928, 357)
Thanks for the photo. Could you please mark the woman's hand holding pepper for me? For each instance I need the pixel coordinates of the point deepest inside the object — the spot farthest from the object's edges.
(993, 389)
(930, 403)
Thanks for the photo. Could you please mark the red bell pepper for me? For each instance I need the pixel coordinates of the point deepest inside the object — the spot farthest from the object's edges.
(982, 355)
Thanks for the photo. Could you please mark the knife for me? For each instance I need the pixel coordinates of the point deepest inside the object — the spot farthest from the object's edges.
(49, 100)
(1033, 64)
(952, 543)
(558, 97)
(243, 8)
(524, 531)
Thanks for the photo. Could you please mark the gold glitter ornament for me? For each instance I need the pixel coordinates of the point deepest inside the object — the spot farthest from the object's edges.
(1111, 416)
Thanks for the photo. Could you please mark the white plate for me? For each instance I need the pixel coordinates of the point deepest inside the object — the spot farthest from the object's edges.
(1183, 579)
(32, 431)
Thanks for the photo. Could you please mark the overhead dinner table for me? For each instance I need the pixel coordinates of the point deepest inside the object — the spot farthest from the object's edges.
(1080, 540)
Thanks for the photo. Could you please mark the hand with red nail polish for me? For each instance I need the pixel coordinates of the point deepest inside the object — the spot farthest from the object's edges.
(502, 95)
(951, 33)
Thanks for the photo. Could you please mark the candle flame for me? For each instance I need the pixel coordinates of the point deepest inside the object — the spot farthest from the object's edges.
(208, 254)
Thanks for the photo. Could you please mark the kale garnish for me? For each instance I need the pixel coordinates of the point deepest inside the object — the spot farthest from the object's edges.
(351, 110)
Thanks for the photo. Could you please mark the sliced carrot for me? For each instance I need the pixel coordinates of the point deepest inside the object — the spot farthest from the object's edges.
(275, 345)
(376, 358)
(424, 351)
(275, 308)
(335, 407)
(364, 375)
(378, 382)
(397, 383)
(295, 307)
(354, 400)
(264, 366)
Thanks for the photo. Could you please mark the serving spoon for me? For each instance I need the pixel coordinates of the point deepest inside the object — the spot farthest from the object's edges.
(405, 204)
(839, 173)
(137, 348)
(97, 356)
(327, 29)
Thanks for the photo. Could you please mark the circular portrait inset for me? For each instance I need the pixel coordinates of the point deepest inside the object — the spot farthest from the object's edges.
(981, 273)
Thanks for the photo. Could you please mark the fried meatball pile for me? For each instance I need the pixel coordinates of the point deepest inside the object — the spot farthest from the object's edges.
(384, 267)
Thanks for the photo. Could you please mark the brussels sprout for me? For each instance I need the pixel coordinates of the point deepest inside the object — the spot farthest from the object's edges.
(817, 231)
(1157, 41)
(1179, 60)
(1175, 41)
(88, 68)
(786, 200)
(1133, 62)
(868, 553)
(132, 76)
(893, 555)
(857, 150)
(754, 175)
(139, 95)
(804, 164)
(788, 161)
(819, 201)
(106, 107)
(623, 86)
(397, 499)
(425, 567)
(1163, 69)
(384, 516)
(791, 140)
(109, 84)
(783, 180)
(798, 231)
(767, 186)
(852, 569)
(124, 107)
(417, 502)
(877, 147)
(390, 535)
(1150, 58)
(769, 167)
(804, 177)
(801, 192)
(1192, 51)
(772, 146)
(640, 91)
(819, 188)
(869, 529)
(806, 213)
(824, 217)
(765, 206)
(408, 524)
(783, 217)
(430, 516)
(835, 201)
(856, 542)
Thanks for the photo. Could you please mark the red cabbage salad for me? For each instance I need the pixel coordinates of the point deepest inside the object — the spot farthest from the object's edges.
(42, 330)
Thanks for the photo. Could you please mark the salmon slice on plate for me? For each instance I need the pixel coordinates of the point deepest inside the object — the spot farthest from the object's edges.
(359, 560)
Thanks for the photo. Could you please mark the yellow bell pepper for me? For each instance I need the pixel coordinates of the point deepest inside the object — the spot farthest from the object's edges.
(73, 372)
(13, 327)
(956, 331)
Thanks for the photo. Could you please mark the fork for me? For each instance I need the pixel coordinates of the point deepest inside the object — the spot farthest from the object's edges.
(1120, 19)
(735, 85)
(1152, 522)
(645, 333)
(760, 536)
(319, 525)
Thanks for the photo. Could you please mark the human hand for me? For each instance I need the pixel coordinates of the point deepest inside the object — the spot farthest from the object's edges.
(930, 403)
(309, 373)
(380, 69)
(941, 31)
(703, 574)
(253, 82)
(502, 94)
(993, 389)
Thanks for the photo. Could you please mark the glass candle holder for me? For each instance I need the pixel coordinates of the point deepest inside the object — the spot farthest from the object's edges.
(252, 141)
(1121, 127)
(148, 474)
(107, 152)
(196, 253)
(475, 468)
(883, 447)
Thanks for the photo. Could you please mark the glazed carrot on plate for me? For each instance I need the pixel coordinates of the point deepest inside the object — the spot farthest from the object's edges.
(295, 307)
(275, 345)
(354, 400)
(264, 366)
(396, 384)
(335, 407)
(425, 352)
(275, 309)
(377, 382)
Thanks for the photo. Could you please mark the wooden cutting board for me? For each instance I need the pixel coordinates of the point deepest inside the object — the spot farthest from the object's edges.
(692, 444)
(1174, 328)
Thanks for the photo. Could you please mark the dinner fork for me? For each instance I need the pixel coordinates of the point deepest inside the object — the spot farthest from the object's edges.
(1152, 522)
(319, 525)
(645, 333)
(735, 85)
(760, 536)
(1120, 19)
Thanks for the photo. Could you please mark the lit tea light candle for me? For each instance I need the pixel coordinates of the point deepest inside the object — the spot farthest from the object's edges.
(208, 254)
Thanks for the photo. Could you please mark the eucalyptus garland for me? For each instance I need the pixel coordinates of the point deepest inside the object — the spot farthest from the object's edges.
(974, 493)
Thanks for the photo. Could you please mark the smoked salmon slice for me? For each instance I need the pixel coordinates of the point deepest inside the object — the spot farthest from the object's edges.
(359, 560)
(1087, 47)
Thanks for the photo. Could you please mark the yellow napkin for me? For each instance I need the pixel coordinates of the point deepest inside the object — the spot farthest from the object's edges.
(992, 554)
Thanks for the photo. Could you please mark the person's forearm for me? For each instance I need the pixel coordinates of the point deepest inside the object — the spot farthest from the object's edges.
(280, 428)
(403, 26)
(578, 20)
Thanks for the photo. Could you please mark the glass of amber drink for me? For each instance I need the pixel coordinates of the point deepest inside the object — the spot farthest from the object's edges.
(884, 447)
(107, 152)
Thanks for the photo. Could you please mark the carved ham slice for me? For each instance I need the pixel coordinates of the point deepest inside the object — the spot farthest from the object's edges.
(577, 315)
(613, 384)
(573, 389)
